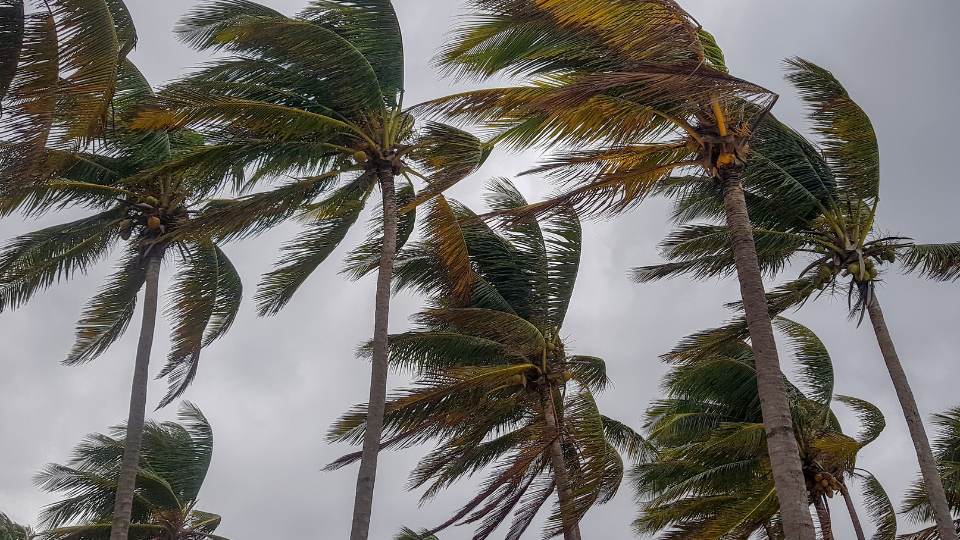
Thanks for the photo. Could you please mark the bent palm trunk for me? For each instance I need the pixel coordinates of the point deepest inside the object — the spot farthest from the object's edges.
(363, 503)
(852, 510)
(928, 465)
(571, 529)
(778, 423)
(126, 483)
(823, 516)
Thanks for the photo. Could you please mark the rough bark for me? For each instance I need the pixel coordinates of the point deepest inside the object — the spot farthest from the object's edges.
(928, 465)
(564, 489)
(852, 510)
(778, 424)
(126, 483)
(823, 516)
(363, 503)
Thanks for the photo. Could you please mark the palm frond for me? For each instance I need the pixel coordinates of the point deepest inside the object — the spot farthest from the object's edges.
(446, 155)
(813, 357)
(849, 141)
(871, 418)
(879, 507)
(203, 305)
(11, 40)
(934, 261)
(107, 315)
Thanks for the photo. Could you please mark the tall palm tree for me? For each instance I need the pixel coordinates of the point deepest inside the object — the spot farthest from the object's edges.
(141, 214)
(708, 477)
(13, 531)
(635, 92)
(495, 385)
(173, 464)
(839, 244)
(916, 504)
(319, 96)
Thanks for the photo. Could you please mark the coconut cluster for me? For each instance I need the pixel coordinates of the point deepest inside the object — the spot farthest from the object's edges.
(862, 266)
(823, 483)
(150, 218)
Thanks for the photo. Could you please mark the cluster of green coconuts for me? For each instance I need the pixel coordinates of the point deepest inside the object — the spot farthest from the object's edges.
(149, 214)
(867, 272)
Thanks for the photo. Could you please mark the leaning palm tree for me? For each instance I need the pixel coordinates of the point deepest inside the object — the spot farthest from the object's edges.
(59, 61)
(916, 504)
(13, 531)
(138, 214)
(839, 245)
(173, 464)
(318, 96)
(495, 385)
(708, 476)
(635, 92)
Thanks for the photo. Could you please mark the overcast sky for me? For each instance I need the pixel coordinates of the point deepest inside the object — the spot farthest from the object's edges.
(272, 387)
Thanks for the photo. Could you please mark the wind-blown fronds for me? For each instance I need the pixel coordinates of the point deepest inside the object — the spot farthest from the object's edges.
(174, 459)
(494, 387)
(946, 448)
(704, 470)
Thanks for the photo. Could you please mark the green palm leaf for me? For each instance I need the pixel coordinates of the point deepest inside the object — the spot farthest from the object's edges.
(11, 40)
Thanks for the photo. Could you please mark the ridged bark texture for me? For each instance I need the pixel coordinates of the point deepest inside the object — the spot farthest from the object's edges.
(363, 503)
(823, 516)
(778, 423)
(564, 489)
(126, 483)
(928, 465)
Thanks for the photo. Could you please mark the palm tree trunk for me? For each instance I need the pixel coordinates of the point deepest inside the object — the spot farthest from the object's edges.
(852, 510)
(564, 490)
(823, 516)
(126, 483)
(928, 465)
(778, 423)
(363, 503)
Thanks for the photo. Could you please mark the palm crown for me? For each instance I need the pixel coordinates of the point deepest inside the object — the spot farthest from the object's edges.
(495, 385)
(834, 233)
(708, 475)
(174, 460)
(137, 212)
(317, 96)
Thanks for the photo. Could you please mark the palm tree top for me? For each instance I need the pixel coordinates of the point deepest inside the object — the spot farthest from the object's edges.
(708, 474)
(485, 355)
(174, 461)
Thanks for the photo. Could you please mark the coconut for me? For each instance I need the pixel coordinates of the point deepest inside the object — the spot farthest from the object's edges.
(854, 269)
(360, 156)
(726, 159)
(153, 223)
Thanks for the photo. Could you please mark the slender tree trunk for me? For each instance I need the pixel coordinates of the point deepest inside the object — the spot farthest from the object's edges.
(823, 516)
(852, 510)
(564, 489)
(126, 484)
(928, 465)
(363, 503)
(778, 423)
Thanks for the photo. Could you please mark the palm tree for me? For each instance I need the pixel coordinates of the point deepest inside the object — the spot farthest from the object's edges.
(635, 92)
(318, 95)
(708, 477)
(838, 244)
(13, 531)
(59, 65)
(495, 385)
(409, 534)
(140, 212)
(173, 464)
(916, 505)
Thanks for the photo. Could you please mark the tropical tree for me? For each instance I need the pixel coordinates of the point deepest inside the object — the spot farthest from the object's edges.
(318, 96)
(838, 244)
(495, 385)
(173, 464)
(633, 92)
(13, 531)
(708, 476)
(138, 214)
(916, 504)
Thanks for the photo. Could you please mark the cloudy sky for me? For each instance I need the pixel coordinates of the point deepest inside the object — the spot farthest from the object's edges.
(273, 386)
